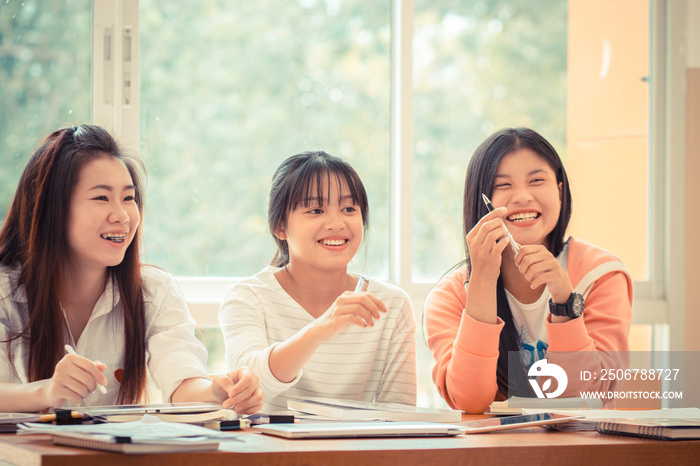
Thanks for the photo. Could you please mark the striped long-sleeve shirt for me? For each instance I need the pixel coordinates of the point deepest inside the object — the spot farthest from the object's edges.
(369, 364)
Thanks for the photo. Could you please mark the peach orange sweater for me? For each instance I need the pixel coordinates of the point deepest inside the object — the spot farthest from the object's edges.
(466, 350)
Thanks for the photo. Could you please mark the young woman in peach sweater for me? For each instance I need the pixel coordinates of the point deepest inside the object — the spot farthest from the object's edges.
(557, 299)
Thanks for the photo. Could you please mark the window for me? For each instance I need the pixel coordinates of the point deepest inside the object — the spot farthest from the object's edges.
(220, 113)
(478, 67)
(45, 77)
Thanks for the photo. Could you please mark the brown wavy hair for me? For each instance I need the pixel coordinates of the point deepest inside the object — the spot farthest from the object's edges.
(34, 238)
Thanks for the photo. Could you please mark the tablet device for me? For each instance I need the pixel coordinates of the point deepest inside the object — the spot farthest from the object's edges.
(516, 422)
(165, 408)
(359, 429)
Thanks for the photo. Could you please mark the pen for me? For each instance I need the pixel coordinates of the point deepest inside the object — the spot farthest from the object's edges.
(70, 350)
(490, 207)
(360, 284)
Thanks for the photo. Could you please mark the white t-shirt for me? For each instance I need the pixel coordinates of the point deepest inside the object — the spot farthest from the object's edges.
(530, 321)
(368, 364)
(173, 353)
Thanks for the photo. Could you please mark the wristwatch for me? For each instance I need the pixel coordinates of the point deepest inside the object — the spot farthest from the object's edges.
(572, 308)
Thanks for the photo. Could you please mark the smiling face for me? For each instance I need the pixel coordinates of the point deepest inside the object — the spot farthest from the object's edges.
(325, 233)
(527, 186)
(103, 214)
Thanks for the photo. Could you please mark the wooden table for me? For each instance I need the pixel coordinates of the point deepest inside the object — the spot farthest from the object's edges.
(536, 446)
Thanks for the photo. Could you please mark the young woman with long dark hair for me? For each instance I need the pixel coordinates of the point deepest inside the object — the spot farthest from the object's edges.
(71, 275)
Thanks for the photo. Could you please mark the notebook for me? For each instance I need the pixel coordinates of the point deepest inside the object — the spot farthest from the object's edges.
(661, 429)
(148, 435)
(359, 429)
(352, 410)
(127, 445)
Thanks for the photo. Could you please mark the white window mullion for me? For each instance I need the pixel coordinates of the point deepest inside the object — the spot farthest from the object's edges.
(115, 90)
(401, 253)
(674, 175)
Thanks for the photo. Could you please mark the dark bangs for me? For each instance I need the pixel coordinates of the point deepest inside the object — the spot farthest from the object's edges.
(318, 175)
(308, 181)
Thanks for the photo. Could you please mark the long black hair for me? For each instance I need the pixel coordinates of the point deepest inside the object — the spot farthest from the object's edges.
(481, 173)
(293, 185)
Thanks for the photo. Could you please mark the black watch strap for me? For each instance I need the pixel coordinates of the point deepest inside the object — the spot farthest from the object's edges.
(573, 307)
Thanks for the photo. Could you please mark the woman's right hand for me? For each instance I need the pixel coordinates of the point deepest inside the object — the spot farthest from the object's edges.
(350, 308)
(74, 378)
(486, 242)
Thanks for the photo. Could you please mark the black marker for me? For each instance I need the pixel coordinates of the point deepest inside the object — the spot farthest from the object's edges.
(490, 207)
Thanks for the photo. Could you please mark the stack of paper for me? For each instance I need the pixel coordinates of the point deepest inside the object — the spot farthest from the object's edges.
(518, 405)
(149, 435)
(354, 410)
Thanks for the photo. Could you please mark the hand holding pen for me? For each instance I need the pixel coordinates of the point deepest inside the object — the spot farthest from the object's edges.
(491, 208)
(74, 378)
(101, 387)
(485, 245)
(350, 308)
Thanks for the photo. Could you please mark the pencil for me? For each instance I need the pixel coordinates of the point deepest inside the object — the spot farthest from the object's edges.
(70, 350)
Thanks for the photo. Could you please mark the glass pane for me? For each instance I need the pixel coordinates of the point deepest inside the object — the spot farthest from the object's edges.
(575, 71)
(229, 90)
(45, 78)
(478, 66)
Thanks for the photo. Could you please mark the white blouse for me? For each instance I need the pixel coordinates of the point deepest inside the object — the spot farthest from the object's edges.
(173, 353)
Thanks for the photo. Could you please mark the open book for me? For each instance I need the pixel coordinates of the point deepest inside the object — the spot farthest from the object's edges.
(353, 410)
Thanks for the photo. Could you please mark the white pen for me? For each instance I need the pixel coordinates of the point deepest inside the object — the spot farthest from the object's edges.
(360, 284)
(490, 207)
(70, 350)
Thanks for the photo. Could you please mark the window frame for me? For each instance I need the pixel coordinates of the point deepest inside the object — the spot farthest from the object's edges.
(116, 107)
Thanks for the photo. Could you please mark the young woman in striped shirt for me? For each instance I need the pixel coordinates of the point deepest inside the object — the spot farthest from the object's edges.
(299, 323)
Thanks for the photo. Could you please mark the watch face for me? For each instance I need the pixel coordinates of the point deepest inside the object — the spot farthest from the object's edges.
(577, 305)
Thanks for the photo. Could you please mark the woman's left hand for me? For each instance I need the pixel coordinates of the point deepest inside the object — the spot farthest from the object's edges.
(239, 390)
(540, 267)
